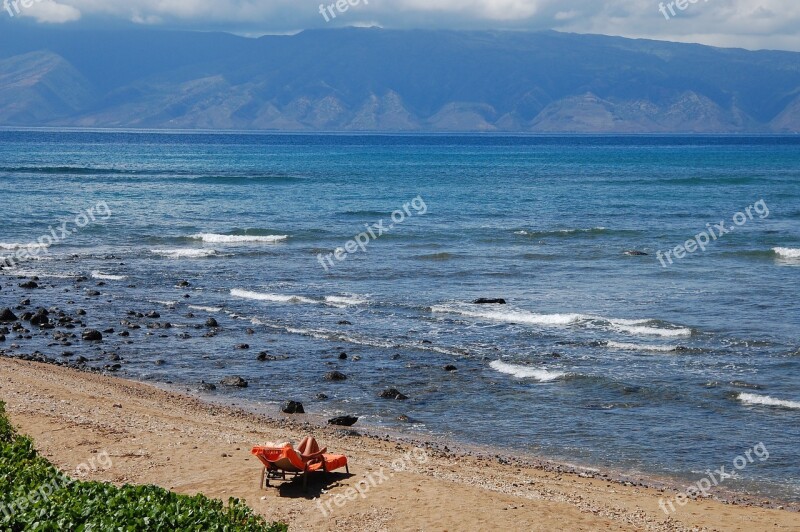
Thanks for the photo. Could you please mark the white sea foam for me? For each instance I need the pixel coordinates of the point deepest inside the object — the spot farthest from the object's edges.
(108, 277)
(789, 253)
(513, 316)
(765, 400)
(165, 303)
(640, 329)
(635, 327)
(345, 301)
(206, 309)
(642, 347)
(239, 239)
(184, 253)
(14, 246)
(275, 298)
(526, 372)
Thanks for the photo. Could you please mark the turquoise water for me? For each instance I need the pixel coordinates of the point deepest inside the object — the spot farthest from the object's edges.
(600, 357)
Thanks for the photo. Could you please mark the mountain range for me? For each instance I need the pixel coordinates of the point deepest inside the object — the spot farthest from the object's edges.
(371, 79)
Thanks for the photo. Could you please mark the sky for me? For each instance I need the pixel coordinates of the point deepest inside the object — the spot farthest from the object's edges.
(752, 24)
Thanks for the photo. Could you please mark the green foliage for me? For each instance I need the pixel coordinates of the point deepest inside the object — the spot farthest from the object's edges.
(35, 496)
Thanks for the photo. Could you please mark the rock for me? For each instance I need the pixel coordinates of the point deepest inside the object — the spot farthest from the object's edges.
(342, 356)
(2, 337)
(250, 331)
(81, 312)
(124, 334)
(263, 356)
(91, 335)
(243, 346)
(343, 421)
(392, 393)
(634, 253)
(207, 387)
(292, 407)
(211, 322)
(6, 316)
(335, 376)
(403, 418)
(81, 360)
(234, 381)
(161, 362)
(92, 293)
(487, 301)
(322, 397)
(30, 285)
(153, 315)
(345, 322)
(450, 367)
(184, 284)
(108, 331)
(25, 302)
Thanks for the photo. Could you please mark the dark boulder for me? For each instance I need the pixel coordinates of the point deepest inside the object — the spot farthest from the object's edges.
(335, 376)
(634, 253)
(393, 393)
(153, 315)
(488, 301)
(322, 397)
(450, 367)
(234, 381)
(91, 335)
(6, 316)
(211, 322)
(292, 407)
(207, 387)
(243, 346)
(343, 421)
(30, 285)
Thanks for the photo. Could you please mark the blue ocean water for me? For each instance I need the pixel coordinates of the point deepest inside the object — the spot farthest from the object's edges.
(600, 357)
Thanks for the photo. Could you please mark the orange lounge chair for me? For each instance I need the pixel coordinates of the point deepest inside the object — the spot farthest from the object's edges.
(308, 458)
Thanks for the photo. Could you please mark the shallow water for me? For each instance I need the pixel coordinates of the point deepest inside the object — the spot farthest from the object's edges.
(599, 357)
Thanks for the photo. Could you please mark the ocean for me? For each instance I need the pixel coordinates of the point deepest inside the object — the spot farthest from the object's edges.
(608, 353)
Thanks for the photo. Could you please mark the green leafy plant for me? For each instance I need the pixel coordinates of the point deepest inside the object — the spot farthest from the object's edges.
(36, 496)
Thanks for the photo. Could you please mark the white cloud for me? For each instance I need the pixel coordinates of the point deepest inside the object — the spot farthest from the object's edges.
(49, 12)
(745, 23)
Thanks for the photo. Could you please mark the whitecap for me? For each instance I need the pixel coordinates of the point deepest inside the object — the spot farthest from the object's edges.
(526, 372)
(514, 316)
(640, 329)
(30, 246)
(184, 253)
(642, 347)
(205, 309)
(239, 239)
(765, 400)
(108, 277)
(275, 298)
(789, 253)
(345, 301)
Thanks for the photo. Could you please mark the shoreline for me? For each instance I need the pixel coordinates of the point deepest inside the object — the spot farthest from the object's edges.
(190, 445)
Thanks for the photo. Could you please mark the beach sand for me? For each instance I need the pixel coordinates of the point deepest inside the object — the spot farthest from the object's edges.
(183, 444)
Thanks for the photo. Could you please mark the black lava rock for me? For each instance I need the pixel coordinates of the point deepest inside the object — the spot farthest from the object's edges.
(30, 285)
(335, 376)
(393, 393)
(343, 421)
(292, 407)
(91, 335)
(6, 316)
(488, 301)
(211, 322)
(234, 381)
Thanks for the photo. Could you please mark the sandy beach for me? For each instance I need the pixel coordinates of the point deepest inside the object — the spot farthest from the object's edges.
(180, 443)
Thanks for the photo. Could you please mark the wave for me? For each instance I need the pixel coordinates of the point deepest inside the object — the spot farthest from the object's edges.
(642, 347)
(165, 303)
(765, 400)
(275, 298)
(184, 253)
(238, 239)
(108, 277)
(634, 327)
(594, 231)
(345, 301)
(788, 253)
(29, 246)
(205, 309)
(526, 372)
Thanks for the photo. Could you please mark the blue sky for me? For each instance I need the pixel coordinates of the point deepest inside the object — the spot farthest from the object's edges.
(750, 24)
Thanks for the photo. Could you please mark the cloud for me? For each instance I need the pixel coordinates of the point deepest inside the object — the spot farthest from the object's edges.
(48, 11)
(745, 23)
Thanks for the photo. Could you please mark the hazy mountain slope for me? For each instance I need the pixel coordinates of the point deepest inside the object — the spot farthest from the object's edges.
(377, 80)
